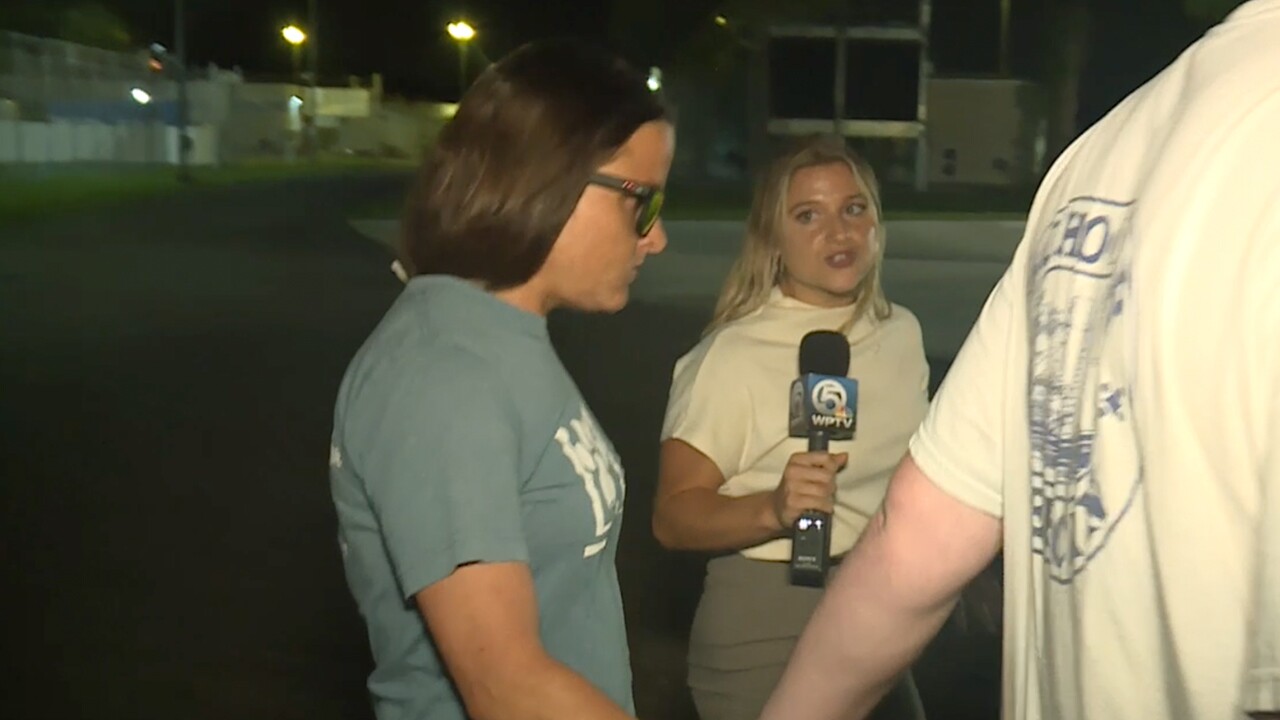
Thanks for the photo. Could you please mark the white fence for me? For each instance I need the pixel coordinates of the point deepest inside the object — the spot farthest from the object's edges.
(89, 142)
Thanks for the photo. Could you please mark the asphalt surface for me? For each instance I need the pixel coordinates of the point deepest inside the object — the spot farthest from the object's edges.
(167, 376)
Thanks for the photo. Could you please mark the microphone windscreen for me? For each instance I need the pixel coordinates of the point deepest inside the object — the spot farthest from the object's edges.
(824, 352)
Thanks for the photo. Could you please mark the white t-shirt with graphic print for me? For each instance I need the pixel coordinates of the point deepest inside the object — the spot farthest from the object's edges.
(1118, 403)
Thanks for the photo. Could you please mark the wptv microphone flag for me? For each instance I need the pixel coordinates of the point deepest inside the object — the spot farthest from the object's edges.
(826, 403)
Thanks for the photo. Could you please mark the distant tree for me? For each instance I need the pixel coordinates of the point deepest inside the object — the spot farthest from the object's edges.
(1208, 12)
(729, 27)
(684, 34)
(706, 47)
(92, 23)
(651, 32)
(26, 16)
(1064, 43)
(86, 23)
(1066, 46)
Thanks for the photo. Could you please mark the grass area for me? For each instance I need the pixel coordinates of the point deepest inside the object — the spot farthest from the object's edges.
(30, 193)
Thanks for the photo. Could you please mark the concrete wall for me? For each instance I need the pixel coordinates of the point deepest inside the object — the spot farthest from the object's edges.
(77, 103)
(81, 142)
(402, 130)
(338, 102)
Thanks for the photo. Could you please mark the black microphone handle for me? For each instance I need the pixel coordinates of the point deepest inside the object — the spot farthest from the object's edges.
(818, 440)
(811, 542)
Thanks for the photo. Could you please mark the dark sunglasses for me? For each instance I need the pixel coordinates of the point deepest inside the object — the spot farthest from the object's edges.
(648, 199)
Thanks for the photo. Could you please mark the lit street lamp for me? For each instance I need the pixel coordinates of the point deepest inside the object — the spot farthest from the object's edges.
(294, 35)
(463, 33)
(655, 79)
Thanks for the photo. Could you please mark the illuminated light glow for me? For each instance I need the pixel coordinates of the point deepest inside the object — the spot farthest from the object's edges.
(293, 35)
(461, 30)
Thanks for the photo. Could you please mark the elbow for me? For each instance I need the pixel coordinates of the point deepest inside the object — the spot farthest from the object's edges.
(484, 698)
(491, 708)
(665, 530)
(488, 709)
(481, 702)
(502, 691)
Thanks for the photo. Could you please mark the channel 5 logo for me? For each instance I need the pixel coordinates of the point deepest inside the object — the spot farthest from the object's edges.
(829, 398)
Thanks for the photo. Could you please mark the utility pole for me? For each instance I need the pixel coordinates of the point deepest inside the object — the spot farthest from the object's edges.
(462, 70)
(1004, 36)
(313, 56)
(180, 45)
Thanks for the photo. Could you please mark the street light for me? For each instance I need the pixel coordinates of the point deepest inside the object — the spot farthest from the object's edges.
(655, 79)
(294, 35)
(143, 98)
(463, 33)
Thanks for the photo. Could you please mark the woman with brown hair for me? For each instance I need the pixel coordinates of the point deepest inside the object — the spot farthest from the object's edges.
(731, 480)
(478, 500)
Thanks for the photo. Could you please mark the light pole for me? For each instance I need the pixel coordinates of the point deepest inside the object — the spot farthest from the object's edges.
(184, 107)
(294, 35)
(313, 48)
(313, 60)
(655, 79)
(143, 98)
(1004, 36)
(463, 33)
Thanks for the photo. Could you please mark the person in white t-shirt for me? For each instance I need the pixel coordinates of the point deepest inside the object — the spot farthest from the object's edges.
(731, 480)
(1112, 421)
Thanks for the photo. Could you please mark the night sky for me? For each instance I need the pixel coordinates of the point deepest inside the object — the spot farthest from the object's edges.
(406, 42)
(405, 39)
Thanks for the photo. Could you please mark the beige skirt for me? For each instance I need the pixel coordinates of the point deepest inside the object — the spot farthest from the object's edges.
(747, 623)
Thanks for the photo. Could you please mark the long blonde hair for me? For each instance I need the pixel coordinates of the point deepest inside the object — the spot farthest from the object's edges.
(759, 267)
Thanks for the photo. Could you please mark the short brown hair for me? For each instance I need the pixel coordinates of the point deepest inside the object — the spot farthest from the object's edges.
(509, 168)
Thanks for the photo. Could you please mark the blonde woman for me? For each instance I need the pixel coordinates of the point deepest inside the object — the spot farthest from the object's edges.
(731, 480)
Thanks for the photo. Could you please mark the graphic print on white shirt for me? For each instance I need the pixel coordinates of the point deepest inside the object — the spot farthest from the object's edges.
(599, 468)
(1085, 470)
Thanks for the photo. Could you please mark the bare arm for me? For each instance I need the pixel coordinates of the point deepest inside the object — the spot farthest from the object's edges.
(484, 619)
(889, 597)
(691, 514)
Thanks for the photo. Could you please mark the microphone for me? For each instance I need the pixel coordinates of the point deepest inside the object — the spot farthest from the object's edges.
(823, 408)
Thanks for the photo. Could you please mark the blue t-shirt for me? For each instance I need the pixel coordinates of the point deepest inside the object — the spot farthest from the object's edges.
(459, 437)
